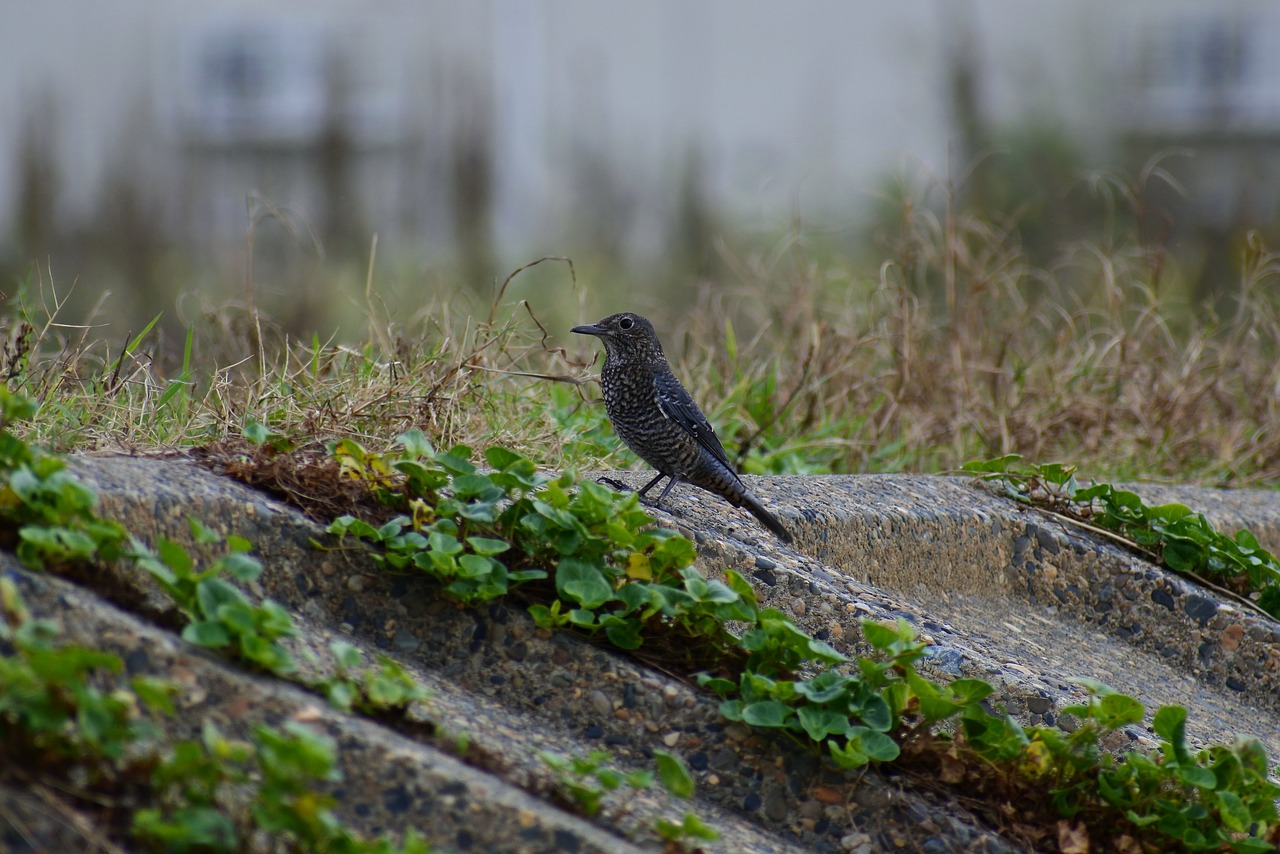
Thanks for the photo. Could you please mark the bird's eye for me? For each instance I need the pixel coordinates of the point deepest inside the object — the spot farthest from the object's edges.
(626, 323)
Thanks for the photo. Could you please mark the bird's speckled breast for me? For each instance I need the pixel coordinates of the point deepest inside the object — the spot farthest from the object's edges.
(631, 400)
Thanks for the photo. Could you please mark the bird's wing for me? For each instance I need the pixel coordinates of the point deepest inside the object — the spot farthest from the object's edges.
(677, 405)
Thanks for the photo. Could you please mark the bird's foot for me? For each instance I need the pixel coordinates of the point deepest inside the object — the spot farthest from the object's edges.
(647, 501)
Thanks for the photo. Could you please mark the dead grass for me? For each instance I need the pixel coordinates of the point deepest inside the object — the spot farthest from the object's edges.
(959, 349)
(956, 347)
(458, 377)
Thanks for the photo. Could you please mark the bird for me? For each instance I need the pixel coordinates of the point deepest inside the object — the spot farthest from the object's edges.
(657, 418)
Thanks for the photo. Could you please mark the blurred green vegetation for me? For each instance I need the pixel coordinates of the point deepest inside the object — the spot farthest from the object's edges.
(1023, 306)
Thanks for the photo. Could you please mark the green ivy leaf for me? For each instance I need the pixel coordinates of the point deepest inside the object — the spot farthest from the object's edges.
(690, 827)
(422, 478)
(862, 746)
(996, 465)
(346, 654)
(353, 526)
(341, 694)
(1269, 600)
(240, 566)
(478, 487)
(622, 633)
(717, 685)
(174, 556)
(819, 723)
(475, 566)
(1117, 710)
(767, 713)
(583, 583)
(1058, 474)
(256, 432)
(206, 633)
(933, 704)
(1166, 514)
(213, 594)
(968, 691)
(873, 709)
(882, 637)
(1194, 775)
(1183, 555)
(457, 461)
(501, 458)
(488, 545)
(1170, 723)
(742, 587)
(673, 774)
(156, 693)
(188, 828)
(827, 687)
(445, 544)
(582, 618)
(416, 444)
(1233, 810)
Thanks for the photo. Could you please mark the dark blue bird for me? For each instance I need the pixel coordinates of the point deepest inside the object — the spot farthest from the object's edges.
(658, 420)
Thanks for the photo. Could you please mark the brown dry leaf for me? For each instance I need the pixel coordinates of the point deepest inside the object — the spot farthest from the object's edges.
(951, 768)
(827, 795)
(1073, 837)
(1126, 844)
(1034, 836)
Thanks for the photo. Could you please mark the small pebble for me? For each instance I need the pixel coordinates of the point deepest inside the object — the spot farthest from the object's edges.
(600, 703)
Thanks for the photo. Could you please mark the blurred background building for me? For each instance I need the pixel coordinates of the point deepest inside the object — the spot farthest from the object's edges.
(491, 131)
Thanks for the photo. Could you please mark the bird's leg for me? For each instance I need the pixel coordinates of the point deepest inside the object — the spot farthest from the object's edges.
(675, 478)
(650, 484)
(616, 484)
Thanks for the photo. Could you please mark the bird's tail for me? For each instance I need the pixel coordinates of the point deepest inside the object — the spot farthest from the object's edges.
(755, 508)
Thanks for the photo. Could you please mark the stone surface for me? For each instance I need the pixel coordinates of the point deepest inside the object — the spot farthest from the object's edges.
(1019, 598)
(1004, 593)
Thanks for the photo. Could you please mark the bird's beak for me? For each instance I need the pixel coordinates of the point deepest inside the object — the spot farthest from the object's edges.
(588, 330)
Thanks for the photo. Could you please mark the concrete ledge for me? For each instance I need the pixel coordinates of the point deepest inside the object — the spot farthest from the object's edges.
(1004, 593)
(1014, 595)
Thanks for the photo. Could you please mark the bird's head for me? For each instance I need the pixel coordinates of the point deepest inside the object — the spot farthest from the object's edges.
(626, 337)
